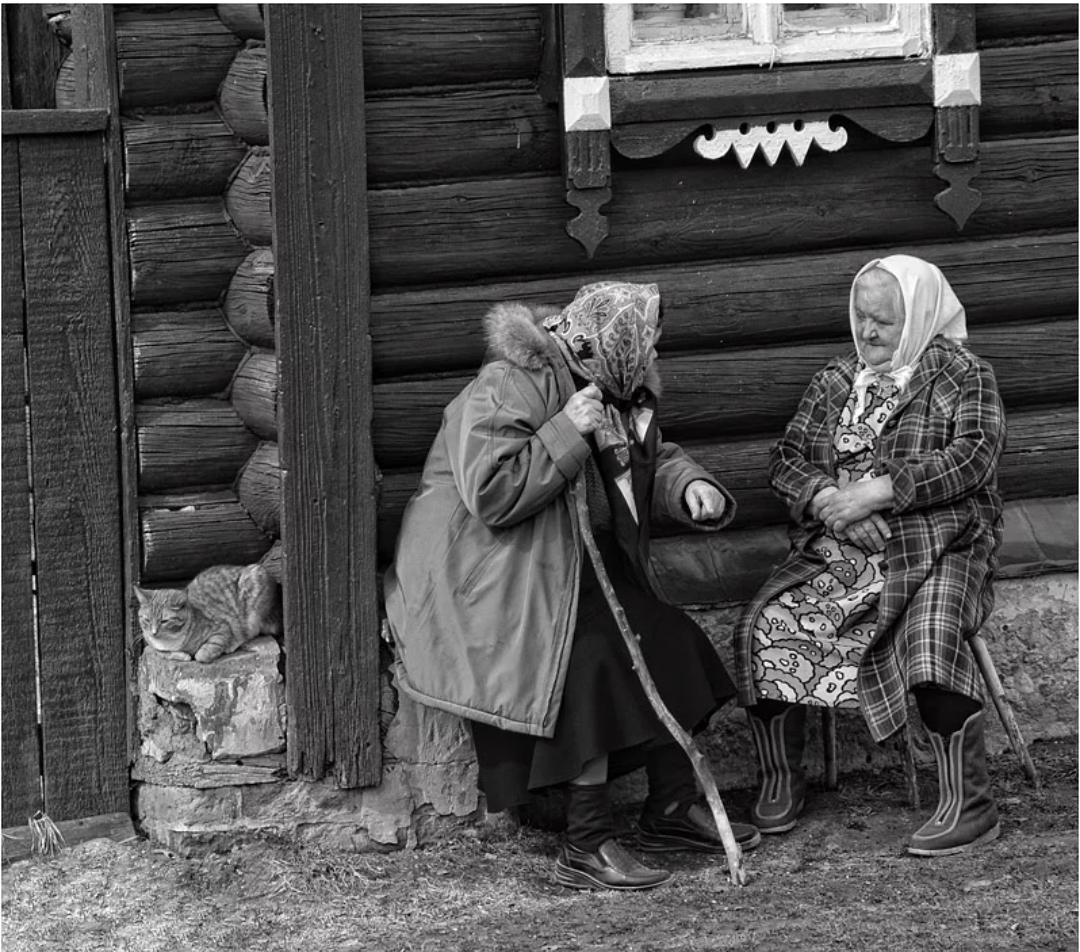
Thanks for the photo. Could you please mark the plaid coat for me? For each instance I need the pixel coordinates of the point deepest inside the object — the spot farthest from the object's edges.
(941, 448)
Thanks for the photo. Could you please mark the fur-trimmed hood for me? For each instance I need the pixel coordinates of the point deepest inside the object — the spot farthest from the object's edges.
(515, 333)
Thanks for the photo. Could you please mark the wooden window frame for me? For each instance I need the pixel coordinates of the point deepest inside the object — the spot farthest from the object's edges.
(646, 114)
(906, 34)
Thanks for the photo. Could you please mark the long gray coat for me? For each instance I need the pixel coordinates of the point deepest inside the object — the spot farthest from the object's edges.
(482, 596)
(941, 448)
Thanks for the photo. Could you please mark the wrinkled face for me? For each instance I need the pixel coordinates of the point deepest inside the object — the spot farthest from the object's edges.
(879, 322)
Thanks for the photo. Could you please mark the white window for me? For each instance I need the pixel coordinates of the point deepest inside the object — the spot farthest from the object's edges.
(646, 37)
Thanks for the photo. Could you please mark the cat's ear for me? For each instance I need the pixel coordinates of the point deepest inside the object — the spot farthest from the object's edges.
(142, 595)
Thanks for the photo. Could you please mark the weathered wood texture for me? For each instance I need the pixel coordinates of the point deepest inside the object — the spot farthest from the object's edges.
(259, 488)
(408, 45)
(243, 95)
(249, 303)
(244, 19)
(172, 56)
(184, 156)
(499, 228)
(182, 252)
(1040, 460)
(34, 55)
(20, 781)
(18, 841)
(464, 133)
(183, 353)
(323, 305)
(247, 199)
(1010, 21)
(49, 122)
(745, 390)
(737, 302)
(255, 393)
(1028, 89)
(76, 477)
(183, 534)
(199, 442)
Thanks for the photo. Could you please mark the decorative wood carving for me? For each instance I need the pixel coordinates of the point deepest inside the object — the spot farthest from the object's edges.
(797, 133)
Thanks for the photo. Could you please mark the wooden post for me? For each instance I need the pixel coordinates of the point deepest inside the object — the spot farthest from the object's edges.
(323, 306)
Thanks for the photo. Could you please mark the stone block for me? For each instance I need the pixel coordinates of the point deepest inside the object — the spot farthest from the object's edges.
(227, 709)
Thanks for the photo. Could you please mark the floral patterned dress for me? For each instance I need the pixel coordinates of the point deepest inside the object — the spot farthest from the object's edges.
(809, 640)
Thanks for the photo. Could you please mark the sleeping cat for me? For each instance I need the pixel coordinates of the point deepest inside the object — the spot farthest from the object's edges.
(222, 608)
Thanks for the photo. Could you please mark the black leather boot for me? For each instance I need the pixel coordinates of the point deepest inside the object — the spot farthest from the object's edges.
(966, 813)
(671, 818)
(591, 858)
(779, 732)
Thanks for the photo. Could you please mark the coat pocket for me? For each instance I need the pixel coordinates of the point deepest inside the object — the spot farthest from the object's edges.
(477, 572)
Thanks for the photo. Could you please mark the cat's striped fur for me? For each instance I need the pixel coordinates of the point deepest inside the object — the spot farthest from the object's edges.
(221, 608)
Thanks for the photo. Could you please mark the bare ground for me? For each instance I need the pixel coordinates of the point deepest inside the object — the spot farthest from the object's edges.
(841, 880)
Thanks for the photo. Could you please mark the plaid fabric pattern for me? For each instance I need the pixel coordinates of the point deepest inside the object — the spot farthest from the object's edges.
(941, 448)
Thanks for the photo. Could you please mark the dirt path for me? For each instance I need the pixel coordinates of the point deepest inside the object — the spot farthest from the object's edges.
(841, 880)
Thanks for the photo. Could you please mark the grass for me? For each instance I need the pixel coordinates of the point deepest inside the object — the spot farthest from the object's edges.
(841, 881)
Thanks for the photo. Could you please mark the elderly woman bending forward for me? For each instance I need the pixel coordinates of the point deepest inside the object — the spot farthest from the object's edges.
(496, 612)
(888, 470)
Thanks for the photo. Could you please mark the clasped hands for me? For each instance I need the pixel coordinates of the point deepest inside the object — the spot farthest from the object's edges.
(853, 512)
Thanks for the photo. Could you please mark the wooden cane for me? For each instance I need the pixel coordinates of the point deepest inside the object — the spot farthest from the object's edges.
(701, 768)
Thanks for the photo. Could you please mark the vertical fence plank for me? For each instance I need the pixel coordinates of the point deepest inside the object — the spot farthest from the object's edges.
(322, 290)
(21, 777)
(74, 461)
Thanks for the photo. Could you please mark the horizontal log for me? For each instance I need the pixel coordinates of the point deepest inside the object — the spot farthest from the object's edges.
(184, 534)
(195, 443)
(247, 199)
(735, 303)
(18, 841)
(718, 94)
(249, 303)
(1004, 21)
(1028, 90)
(461, 134)
(169, 57)
(501, 228)
(1040, 460)
(746, 390)
(205, 776)
(243, 95)
(254, 393)
(244, 19)
(185, 156)
(259, 488)
(182, 252)
(183, 353)
(272, 560)
(446, 44)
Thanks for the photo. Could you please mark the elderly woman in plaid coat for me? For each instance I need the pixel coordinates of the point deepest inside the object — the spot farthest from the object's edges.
(888, 470)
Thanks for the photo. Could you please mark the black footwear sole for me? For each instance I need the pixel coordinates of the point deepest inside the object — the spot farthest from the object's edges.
(671, 843)
(578, 879)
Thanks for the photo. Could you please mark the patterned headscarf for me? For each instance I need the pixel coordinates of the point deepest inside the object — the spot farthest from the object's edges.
(607, 334)
(930, 308)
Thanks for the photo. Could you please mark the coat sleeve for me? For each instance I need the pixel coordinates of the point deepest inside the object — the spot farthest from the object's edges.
(970, 459)
(796, 471)
(675, 470)
(509, 459)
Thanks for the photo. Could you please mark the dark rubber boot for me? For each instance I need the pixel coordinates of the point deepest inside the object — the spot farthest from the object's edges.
(779, 732)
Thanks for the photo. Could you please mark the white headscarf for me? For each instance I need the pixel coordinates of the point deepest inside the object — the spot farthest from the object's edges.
(930, 308)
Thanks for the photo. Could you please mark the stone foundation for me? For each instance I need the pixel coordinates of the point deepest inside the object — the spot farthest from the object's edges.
(211, 768)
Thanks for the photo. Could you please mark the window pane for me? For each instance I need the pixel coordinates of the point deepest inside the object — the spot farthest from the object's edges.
(683, 21)
(808, 17)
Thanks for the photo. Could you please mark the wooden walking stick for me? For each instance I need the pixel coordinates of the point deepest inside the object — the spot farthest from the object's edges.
(701, 768)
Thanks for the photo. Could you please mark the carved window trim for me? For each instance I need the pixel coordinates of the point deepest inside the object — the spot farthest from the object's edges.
(646, 114)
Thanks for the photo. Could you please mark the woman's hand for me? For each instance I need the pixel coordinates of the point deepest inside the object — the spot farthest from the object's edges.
(815, 503)
(584, 409)
(855, 502)
(870, 534)
(704, 501)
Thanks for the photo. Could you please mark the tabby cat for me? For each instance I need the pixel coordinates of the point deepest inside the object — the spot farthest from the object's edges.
(222, 608)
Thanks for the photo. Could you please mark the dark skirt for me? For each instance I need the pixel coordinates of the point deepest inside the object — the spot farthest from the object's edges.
(604, 708)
